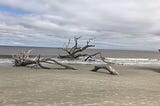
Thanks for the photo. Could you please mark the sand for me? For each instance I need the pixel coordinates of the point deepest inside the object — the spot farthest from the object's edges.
(135, 86)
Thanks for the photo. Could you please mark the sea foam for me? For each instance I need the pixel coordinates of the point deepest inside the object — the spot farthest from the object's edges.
(118, 61)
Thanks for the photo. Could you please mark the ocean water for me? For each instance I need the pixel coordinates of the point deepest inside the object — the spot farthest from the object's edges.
(53, 52)
(121, 57)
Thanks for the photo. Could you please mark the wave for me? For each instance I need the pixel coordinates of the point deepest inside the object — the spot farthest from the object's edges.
(133, 61)
(2, 61)
(118, 61)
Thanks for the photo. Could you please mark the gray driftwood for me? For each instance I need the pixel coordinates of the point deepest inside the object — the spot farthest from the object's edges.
(23, 59)
(106, 66)
(76, 51)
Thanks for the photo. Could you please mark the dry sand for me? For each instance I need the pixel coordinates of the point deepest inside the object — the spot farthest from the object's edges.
(135, 86)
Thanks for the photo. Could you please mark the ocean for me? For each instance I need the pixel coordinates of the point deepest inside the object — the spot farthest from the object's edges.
(53, 52)
(125, 57)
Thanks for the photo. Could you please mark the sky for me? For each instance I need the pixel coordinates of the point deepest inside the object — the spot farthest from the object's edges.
(112, 24)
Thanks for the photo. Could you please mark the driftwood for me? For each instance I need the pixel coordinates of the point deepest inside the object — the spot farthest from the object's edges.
(107, 66)
(76, 51)
(52, 61)
(91, 56)
(23, 59)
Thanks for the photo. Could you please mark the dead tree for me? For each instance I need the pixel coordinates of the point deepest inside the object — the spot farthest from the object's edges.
(23, 59)
(76, 51)
(107, 67)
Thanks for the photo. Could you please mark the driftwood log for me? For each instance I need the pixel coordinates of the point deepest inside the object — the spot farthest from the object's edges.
(23, 59)
(76, 51)
(106, 66)
(52, 61)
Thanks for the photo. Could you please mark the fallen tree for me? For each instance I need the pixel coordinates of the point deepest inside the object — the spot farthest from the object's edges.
(23, 59)
(77, 51)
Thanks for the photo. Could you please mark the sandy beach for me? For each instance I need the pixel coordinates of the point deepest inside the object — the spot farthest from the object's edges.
(79, 53)
(134, 86)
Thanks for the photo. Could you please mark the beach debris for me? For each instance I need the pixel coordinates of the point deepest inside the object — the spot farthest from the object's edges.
(23, 59)
(77, 51)
(106, 66)
(52, 61)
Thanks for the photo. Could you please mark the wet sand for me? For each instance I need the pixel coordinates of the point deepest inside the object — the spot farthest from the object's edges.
(135, 86)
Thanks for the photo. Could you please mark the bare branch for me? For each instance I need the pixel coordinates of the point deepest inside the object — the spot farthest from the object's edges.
(75, 51)
(68, 43)
(103, 59)
(90, 56)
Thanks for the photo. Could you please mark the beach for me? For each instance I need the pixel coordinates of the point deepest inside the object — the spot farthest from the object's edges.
(79, 53)
(134, 86)
(137, 84)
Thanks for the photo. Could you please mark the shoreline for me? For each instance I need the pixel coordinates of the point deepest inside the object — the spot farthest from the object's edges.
(96, 61)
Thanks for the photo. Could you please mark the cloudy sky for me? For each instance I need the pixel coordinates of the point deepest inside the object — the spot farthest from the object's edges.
(112, 24)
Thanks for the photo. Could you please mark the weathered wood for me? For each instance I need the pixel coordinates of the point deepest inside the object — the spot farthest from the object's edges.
(23, 63)
(106, 67)
(91, 55)
(23, 59)
(76, 51)
(58, 63)
(103, 59)
(40, 65)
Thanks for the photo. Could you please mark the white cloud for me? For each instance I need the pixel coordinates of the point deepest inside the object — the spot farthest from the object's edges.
(123, 24)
